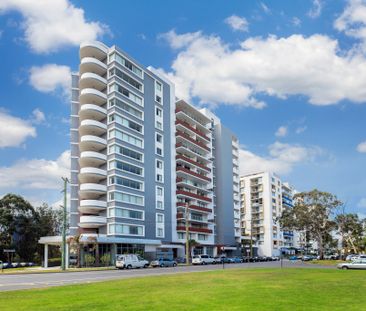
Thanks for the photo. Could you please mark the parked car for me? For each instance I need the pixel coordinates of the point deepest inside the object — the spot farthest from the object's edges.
(349, 257)
(356, 257)
(217, 260)
(237, 260)
(293, 258)
(307, 258)
(73, 259)
(356, 264)
(180, 260)
(131, 261)
(203, 260)
(163, 262)
(275, 258)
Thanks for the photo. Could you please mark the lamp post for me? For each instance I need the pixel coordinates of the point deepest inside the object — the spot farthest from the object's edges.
(63, 259)
(187, 233)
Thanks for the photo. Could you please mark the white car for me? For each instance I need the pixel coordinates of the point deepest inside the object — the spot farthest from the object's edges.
(131, 261)
(356, 264)
(203, 260)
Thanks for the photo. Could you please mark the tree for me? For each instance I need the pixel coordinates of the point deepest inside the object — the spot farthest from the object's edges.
(312, 213)
(192, 244)
(350, 228)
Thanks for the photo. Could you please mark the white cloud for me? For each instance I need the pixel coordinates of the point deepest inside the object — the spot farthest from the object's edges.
(237, 23)
(14, 130)
(38, 116)
(301, 129)
(281, 159)
(362, 203)
(265, 8)
(36, 173)
(209, 69)
(353, 20)
(51, 78)
(281, 131)
(361, 147)
(51, 25)
(316, 9)
(296, 21)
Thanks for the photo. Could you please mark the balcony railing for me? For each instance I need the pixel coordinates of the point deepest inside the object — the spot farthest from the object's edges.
(190, 127)
(182, 169)
(181, 157)
(193, 141)
(194, 195)
(194, 229)
(195, 207)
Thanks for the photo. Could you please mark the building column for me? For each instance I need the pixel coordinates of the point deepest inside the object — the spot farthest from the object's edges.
(45, 256)
(113, 254)
(67, 255)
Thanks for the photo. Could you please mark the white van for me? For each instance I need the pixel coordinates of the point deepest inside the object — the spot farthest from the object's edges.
(202, 260)
(131, 261)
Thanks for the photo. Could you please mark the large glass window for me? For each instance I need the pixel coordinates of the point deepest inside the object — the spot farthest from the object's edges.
(116, 180)
(126, 198)
(126, 167)
(126, 213)
(116, 102)
(126, 152)
(126, 78)
(125, 137)
(120, 89)
(123, 61)
(124, 229)
(125, 122)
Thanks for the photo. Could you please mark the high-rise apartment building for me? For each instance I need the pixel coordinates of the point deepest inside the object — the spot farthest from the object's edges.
(122, 166)
(261, 205)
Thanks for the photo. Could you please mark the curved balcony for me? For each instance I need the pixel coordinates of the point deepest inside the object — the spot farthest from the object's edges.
(92, 206)
(92, 221)
(92, 191)
(91, 174)
(92, 96)
(93, 49)
(92, 143)
(91, 158)
(92, 127)
(90, 111)
(91, 64)
(92, 80)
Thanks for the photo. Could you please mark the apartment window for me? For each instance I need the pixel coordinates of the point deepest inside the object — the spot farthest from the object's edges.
(125, 107)
(126, 198)
(129, 65)
(158, 86)
(159, 138)
(159, 112)
(120, 89)
(181, 235)
(160, 232)
(159, 177)
(125, 137)
(125, 122)
(125, 229)
(159, 191)
(158, 99)
(159, 164)
(116, 180)
(159, 204)
(126, 152)
(126, 213)
(202, 237)
(160, 218)
(159, 151)
(159, 125)
(125, 167)
(126, 78)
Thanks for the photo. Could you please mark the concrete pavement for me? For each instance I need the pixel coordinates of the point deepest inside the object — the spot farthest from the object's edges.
(41, 280)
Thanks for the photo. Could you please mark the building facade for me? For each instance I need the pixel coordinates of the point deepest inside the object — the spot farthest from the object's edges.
(263, 198)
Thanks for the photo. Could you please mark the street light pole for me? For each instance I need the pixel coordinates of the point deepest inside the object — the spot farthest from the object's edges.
(187, 233)
(63, 259)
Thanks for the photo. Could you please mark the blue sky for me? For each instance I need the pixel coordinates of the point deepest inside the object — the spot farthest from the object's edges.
(289, 77)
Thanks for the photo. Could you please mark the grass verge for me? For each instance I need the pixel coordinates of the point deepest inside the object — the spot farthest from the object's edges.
(234, 289)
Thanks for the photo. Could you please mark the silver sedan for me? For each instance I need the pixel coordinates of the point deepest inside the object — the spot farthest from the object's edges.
(356, 264)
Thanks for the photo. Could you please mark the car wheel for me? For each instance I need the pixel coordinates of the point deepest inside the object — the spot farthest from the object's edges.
(162, 265)
(146, 266)
(129, 267)
(174, 264)
(344, 268)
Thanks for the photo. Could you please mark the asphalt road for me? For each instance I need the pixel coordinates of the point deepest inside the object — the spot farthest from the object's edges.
(41, 280)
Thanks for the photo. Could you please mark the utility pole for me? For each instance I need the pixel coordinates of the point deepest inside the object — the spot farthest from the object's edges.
(187, 233)
(63, 259)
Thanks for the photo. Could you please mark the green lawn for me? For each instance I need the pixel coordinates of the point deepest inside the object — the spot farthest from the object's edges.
(239, 289)
(325, 262)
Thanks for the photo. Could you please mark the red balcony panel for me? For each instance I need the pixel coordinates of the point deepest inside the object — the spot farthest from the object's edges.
(193, 195)
(181, 157)
(182, 169)
(198, 143)
(194, 229)
(195, 207)
(187, 125)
